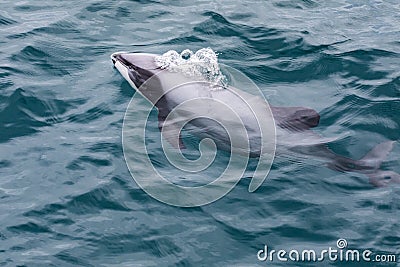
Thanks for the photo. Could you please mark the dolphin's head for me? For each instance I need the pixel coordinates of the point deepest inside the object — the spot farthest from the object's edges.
(136, 68)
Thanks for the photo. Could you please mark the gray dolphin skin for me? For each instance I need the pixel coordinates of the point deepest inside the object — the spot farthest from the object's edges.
(293, 124)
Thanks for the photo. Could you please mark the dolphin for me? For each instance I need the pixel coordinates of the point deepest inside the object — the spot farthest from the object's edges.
(293, 124)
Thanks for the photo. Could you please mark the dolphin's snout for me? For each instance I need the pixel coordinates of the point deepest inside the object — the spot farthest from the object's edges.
(119, 57)
(114, 58)
(136, 68)
(137, 60)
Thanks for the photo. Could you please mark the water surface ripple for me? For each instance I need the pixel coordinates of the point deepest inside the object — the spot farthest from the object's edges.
(67, 197)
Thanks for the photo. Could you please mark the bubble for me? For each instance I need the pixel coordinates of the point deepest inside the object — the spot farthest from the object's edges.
(186, 54)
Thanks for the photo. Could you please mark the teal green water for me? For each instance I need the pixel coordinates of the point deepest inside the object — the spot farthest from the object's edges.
(66, 195)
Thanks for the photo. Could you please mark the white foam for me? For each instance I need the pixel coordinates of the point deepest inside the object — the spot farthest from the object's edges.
(203, 63)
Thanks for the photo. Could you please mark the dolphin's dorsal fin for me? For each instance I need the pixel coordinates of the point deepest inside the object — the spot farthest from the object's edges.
(295, 118)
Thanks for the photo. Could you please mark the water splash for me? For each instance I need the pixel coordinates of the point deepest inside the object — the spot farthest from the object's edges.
(203, 63)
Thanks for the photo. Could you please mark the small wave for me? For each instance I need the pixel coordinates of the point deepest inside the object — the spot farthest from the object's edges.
(91, 114)
(24, 113)
(6, 21)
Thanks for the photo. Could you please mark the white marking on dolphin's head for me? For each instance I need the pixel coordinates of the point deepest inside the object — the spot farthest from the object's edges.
(136, 68)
